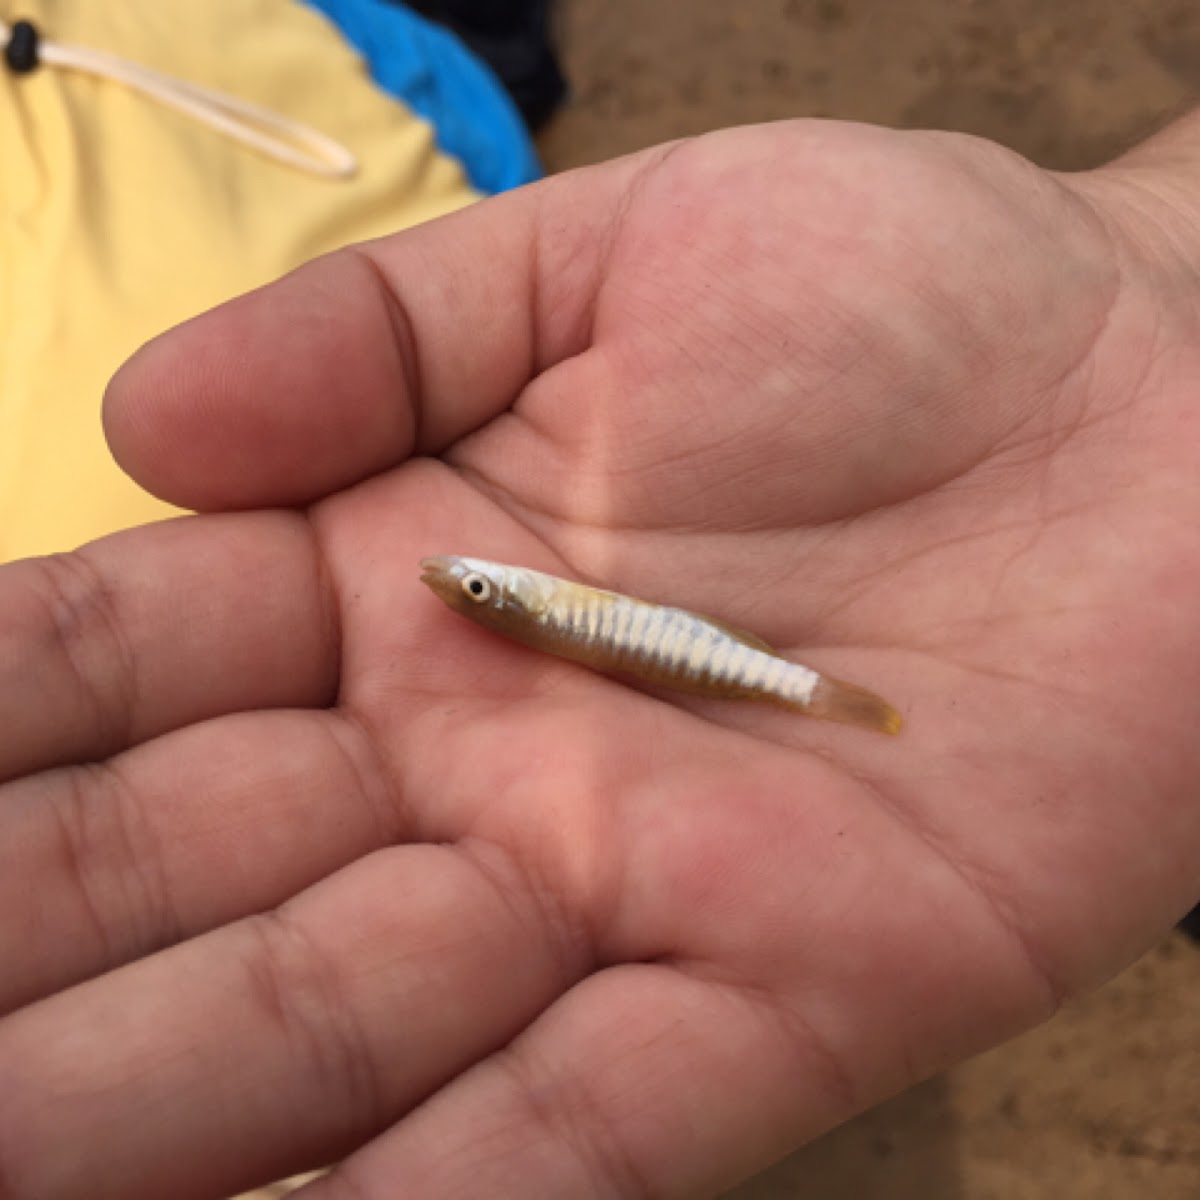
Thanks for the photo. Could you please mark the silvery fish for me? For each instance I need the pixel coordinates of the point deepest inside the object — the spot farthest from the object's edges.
(669, 646)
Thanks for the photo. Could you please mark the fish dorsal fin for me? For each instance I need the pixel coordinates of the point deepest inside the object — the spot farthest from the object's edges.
(742, 635)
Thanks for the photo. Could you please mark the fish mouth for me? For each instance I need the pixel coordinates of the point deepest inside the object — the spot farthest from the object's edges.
(437, 573)
(436, 566)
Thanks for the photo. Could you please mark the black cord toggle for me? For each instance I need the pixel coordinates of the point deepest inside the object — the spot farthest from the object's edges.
(269, 132)
(21, 53)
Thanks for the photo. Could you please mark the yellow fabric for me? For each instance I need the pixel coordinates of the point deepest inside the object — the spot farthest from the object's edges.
(121, 218)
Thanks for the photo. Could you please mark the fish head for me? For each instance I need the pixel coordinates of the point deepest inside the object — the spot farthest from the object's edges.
(467, 585)
(488, 592)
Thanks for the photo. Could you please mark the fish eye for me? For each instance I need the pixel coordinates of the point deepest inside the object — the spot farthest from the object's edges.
(478, 587)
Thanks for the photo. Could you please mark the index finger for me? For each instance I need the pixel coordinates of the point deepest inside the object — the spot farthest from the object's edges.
(151, 629)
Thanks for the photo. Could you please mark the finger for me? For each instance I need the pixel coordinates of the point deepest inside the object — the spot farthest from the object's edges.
(642, 1081)
(354, 361)
(126, 851)
(157, 627)
(175, 837)
(278, 1043)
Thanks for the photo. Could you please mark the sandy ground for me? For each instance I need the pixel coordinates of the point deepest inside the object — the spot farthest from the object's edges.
(1066, 82)
(1103, 1102)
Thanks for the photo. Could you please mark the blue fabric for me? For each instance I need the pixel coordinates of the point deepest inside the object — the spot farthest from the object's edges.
(432, 72)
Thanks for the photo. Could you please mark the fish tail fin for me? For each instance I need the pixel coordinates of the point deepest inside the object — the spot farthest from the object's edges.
(849, 704)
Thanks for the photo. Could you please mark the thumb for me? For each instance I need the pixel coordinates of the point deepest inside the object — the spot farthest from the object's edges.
(360, 359)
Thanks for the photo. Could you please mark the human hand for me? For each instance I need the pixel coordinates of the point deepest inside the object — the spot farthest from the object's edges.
(339, 873)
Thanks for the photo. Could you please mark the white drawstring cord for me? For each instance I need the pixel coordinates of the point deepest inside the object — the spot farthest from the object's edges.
(276, 136)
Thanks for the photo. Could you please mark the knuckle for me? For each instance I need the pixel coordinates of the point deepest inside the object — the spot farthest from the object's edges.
(574, 1118)
(299, 992)
(121, 905)
(83, 630)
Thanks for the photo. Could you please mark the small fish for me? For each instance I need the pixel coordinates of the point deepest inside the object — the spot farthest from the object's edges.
(668, 646)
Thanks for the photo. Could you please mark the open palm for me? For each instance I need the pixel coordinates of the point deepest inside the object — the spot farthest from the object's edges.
(915, 412)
